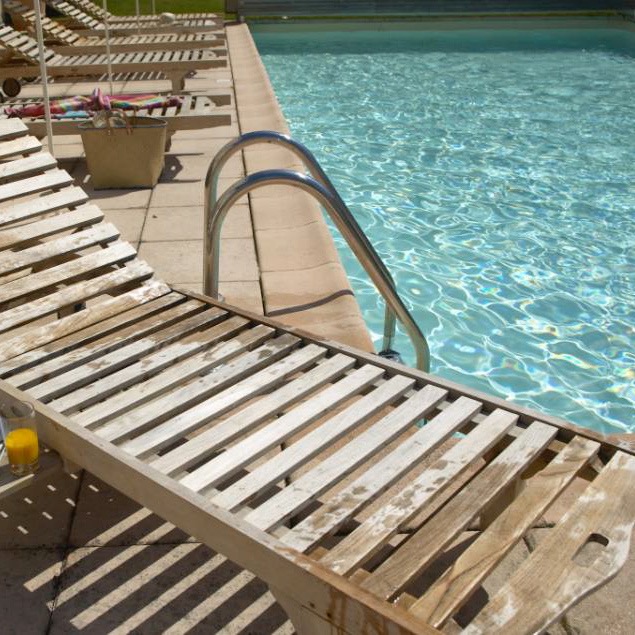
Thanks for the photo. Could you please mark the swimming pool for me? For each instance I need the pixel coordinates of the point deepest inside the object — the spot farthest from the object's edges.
(493, 172)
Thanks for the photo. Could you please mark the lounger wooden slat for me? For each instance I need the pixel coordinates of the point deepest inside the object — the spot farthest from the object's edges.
(13, 261)
(455, 586)
(378, 478)
(74, 293)
(43, 335)
(376, 531)
(26, 145)
(142, 323)
(338, 477)
(276, 433)
(63, 389)
(400, 568)
(203, 445)
(31, 366)
(180, 372)
(80, 218)
(26, 167)
(119, 254)
(311, 485)
(69, 197)
(12, 128)
(140, 419)
(180, 426)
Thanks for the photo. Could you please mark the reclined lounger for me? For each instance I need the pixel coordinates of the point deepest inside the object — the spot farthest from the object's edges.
(94, 9)
(22, 60)
(196, 112)
(298, 458)
(89, 25)
(67, 42)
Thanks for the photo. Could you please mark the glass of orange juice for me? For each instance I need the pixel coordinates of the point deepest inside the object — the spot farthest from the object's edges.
(19, 432)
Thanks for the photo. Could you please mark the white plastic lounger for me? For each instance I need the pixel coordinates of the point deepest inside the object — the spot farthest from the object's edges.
(299, 459)
(89, 25)
(196, 112)
(22, 60)
(67, 42)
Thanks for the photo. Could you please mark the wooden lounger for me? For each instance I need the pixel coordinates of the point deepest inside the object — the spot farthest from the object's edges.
(67, 42)
(195, 113)
(22, 60)
(305, 461)
(88, 24)
(94, 9)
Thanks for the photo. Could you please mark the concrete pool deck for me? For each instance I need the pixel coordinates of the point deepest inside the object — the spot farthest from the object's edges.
(76, 555)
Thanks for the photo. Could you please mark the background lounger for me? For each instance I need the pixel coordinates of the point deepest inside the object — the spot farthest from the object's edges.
(67, 42)
(22, 60)
(89, 25)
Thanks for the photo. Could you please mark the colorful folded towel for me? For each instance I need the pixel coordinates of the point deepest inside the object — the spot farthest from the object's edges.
(71, 107)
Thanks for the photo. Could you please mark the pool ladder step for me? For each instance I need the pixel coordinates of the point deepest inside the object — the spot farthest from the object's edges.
(320, 187)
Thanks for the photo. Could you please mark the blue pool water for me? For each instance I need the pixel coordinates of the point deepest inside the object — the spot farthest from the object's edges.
(494, 173)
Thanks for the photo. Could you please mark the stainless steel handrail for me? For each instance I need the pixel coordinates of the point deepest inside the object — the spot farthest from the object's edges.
(322, 189)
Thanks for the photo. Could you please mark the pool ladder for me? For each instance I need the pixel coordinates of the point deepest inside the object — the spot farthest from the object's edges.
(321, 188)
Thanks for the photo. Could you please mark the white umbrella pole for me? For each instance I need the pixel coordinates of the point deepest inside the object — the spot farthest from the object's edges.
(138, 13)
(43, 74)
(154, 7)
(107, 30)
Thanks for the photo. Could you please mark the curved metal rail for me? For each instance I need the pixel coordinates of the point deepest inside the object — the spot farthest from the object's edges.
(321, 188)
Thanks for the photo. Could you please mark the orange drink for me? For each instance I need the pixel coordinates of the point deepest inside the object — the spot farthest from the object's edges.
(19, 430)
(22, 450)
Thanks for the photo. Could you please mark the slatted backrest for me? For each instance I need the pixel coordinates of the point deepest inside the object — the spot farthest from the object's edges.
(19, 44)
(52, 30)
(91, 8)
(56, 251)
(79, 18)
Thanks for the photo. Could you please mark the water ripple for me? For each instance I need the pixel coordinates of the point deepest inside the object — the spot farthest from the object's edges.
(493, 173)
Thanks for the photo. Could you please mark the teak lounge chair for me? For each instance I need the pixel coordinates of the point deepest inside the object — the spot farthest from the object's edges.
(22, 60)
(89, 25)
(67, 42)
(326, 488)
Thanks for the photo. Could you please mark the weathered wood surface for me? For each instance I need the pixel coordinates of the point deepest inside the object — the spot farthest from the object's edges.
(25, 60)
(338, 477)
(79, 19)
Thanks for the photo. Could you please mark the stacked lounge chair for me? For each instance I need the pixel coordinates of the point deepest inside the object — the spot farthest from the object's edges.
(90, 25)
(326, 488)
(21, 59)
(68, 42)
(92, 8)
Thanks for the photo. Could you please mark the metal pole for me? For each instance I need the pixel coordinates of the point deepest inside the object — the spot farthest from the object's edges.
(107, 31)
(154, 7)
(138, 14)
(43, 74)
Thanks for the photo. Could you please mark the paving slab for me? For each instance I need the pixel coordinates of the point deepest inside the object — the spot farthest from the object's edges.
(25, 602)
(39, 516)
(160, 589)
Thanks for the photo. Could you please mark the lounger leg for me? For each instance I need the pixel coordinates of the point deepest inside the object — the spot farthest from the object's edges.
(304, 621)
(178, 82)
